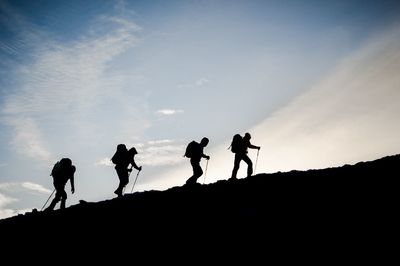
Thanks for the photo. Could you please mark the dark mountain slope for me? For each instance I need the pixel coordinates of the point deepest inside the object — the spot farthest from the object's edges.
(352, 201)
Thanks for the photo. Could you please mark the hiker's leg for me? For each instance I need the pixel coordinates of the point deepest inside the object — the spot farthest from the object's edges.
(120, 187)
(123, 178)
(249, 165)
(54, 201)
(197, 172)
(236, 165)
(63, 199)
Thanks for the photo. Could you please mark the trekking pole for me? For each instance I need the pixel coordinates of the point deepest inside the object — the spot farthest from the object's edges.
(48, 199)
(255, 167)
(205, 173)
(135, 181)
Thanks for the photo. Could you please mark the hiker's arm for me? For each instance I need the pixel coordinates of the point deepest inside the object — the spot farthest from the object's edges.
(72, 184)
(205, 156)
(72, 180)
(134, 165)
(251, 146)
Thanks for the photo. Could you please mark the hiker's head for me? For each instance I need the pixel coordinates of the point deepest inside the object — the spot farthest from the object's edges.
(247, 136)
(66, 162)
(204, 142)
(121, 147)
(132, 151)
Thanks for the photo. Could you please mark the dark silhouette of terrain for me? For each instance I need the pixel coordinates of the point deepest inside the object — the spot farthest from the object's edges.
(352, 204)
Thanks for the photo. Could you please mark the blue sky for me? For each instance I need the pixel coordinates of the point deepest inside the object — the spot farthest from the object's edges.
(315, 83)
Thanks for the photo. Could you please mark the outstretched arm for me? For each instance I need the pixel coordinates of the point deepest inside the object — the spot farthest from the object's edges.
(134, 165)
(251, 146)
(71, 179)
(72, 184)
(205, 156)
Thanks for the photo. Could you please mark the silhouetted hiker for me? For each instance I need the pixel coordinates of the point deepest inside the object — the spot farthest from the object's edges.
(62, 172)
(239, 146)
(194, 151)
(122, 158)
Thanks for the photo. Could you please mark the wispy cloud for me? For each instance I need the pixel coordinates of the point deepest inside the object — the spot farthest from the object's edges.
(35, 188)
(27, 34)
(170, 111)
(198, 83)
(63, 80)
(201, 82)
(161, 141)
(122, 7)
(71, 73)
(162, 155)
(5, 201)
(126, 25)
(24, 186)
(28, 140)
(17, 188)
(3, 165)
(8, 212)
(104, 162)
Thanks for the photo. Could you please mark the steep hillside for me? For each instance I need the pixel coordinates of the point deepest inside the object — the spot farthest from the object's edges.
(351, 200)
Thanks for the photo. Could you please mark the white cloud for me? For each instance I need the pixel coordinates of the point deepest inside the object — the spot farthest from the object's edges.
(198, 83)
(35, 188)
(19, 188)
(160, 152)
(4, 201)
(162, 155)
(24, 186)
(5, 213)
(104, 162)
(3, 164)
(169, 111)
(161, 141)
(201, 82)
(28, 140)
(122, 7)
(127, 25)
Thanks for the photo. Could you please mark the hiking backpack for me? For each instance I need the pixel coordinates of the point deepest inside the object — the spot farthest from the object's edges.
(119, 155)
(61, 171)
(56, 171)
(191, 149)
(237, 143)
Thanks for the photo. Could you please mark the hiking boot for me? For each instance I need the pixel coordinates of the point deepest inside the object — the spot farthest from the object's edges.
(191, 181)
(118, 193)
(189, 184)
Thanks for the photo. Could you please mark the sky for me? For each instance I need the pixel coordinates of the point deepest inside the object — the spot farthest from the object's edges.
(316, 83)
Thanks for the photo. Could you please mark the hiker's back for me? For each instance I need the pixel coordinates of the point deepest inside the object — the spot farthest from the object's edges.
(62, 171)
(193, 150)
(56, 172)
